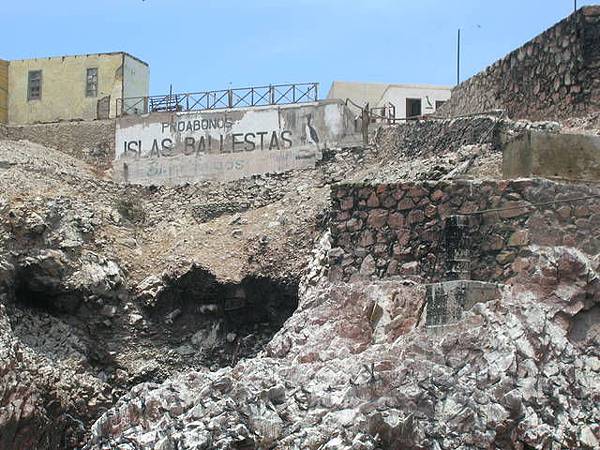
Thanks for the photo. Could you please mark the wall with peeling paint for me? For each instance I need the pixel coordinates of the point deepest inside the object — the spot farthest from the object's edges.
(180, 147)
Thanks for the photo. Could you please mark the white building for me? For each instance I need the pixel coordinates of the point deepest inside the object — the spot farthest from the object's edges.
(401, 100)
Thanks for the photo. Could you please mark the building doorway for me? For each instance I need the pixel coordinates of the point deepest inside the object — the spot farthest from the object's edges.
(413, 107)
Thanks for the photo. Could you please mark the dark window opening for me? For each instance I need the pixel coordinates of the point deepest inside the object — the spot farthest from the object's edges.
(413, 107)
(34, 85)
(439, 103)
(91, 84)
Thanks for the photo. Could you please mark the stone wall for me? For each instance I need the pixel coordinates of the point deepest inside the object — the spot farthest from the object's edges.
(382, 230)
(555, 75)
(91, 141)
(438, 136)
(421, 137)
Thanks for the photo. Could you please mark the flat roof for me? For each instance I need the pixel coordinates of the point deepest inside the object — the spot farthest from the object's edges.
(85, 54)
(388, 85)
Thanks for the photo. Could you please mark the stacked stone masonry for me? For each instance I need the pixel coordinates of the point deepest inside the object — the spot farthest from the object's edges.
(90, 141)
(416, 138)
(556, 75)
(385, 230)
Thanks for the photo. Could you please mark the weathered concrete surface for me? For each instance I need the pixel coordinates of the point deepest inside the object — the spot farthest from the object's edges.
(446, 301)
(176, 148)
(539, 154)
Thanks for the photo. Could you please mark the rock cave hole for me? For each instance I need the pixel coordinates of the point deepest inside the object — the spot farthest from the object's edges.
(222, 322)
(43, 313)
(34, 290)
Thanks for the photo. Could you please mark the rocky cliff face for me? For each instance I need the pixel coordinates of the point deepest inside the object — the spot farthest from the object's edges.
(203, 316)
(354, 368)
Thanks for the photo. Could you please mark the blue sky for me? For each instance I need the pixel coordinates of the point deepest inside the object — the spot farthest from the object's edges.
(213, 44)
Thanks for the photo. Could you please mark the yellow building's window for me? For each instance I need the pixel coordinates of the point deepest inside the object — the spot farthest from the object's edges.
(34, 85)
(91, 85)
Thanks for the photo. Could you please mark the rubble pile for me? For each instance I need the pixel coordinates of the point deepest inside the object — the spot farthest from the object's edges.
(464, 147)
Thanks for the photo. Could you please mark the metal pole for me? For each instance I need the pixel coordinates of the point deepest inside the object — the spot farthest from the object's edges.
(575, 5)
(458, 59)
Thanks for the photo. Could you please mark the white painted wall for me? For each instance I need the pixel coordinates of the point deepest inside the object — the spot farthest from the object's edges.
(183, 147)
(397, 94)
(359, 93)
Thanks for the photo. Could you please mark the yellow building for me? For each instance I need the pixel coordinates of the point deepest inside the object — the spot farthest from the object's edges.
(82, 87)
(3, 91)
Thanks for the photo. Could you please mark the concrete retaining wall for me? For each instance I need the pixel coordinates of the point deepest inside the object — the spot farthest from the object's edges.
(176, 148)
(555, 75)
(567, 156)
(383, 230)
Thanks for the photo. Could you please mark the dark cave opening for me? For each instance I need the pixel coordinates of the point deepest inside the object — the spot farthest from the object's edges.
(46, 301)
(48, 319)
(222, 322)
(196, 321)
(40, 303)
(35, 290)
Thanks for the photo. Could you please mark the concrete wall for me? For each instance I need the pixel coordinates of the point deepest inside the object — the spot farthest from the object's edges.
(90, 141)
(553, 76)
(3, 91)
(136, 79)
(397, 95)
(384, 230)
(538, 154)
(175, 148)
(63, 95)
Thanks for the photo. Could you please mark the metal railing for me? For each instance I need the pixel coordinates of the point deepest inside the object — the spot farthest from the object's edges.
(383, 114)
(277, 94)
(376, 114)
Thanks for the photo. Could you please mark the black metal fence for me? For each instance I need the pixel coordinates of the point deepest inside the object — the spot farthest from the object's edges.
(278, 94)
